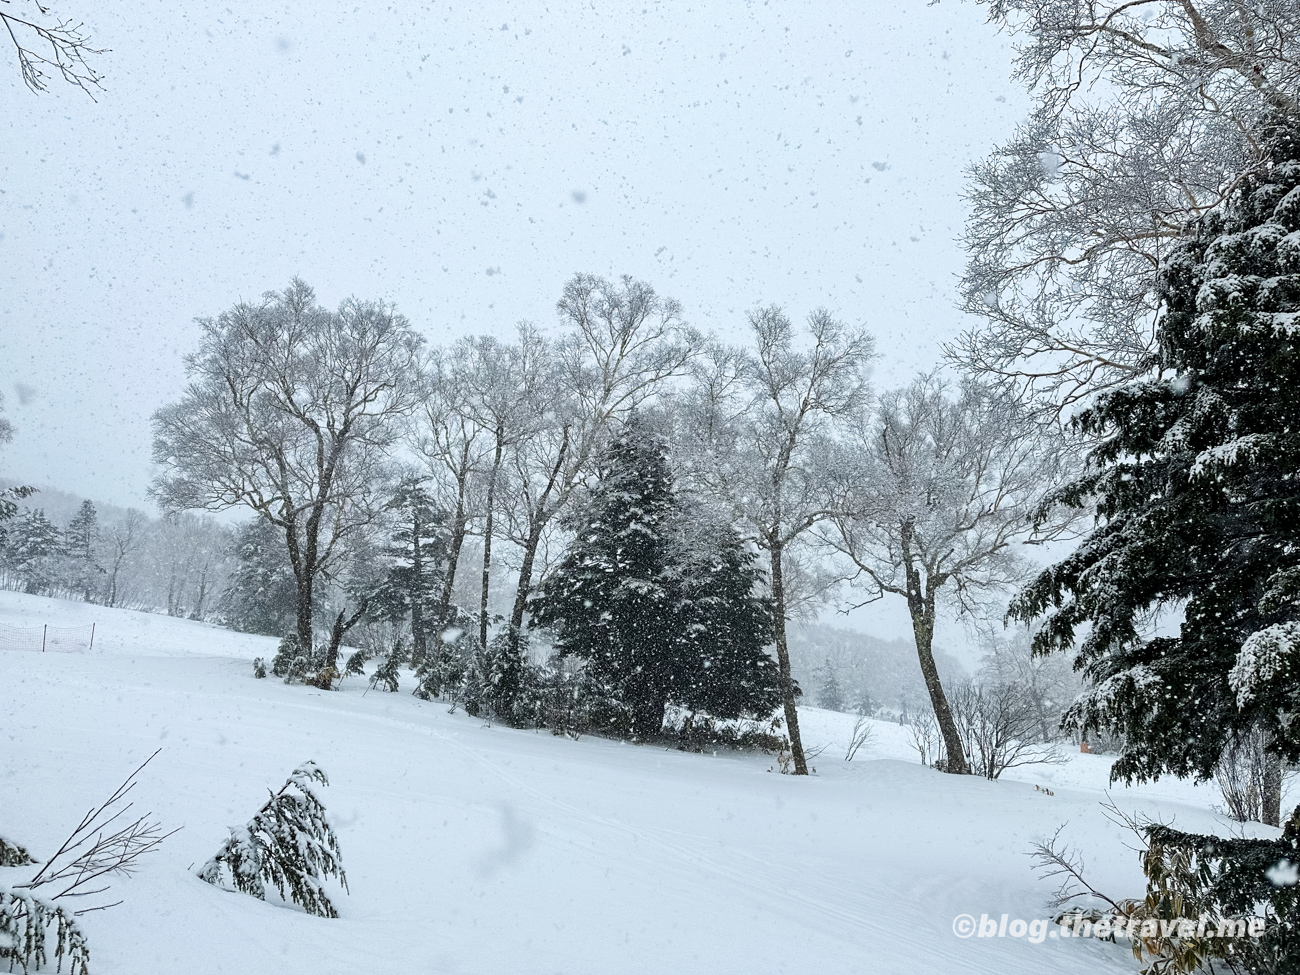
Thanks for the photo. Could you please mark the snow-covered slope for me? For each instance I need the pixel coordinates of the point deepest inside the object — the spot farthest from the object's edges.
(484, 849)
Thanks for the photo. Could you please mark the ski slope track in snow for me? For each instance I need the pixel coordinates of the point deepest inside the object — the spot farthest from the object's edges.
(472, 848)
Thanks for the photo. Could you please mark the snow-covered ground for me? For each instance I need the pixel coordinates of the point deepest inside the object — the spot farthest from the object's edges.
(482, 849)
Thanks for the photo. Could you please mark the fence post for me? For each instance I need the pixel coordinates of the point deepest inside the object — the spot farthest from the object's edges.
(44, 628)
(92, 638)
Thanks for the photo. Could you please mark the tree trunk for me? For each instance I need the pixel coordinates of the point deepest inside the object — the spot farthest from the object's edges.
(487, 542)
(1271, 800)
(783, 662)
(303, 621)
(508, 689)
(418, 646)
(303, 577)
(536, 524)
(341, 626)
(112, 585)
(457, 541)
(648, 716)
(923, 629)
(202, 595)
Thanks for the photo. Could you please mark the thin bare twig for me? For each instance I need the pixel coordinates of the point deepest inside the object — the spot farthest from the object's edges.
(91, 851)
(61, 46)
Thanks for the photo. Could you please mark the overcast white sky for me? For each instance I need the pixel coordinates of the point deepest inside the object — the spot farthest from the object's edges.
(463, 161)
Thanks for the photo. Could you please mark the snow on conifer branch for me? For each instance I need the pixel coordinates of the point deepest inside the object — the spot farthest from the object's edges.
(24, 918)
(13, 855)
(288, 843)
(1266, 656)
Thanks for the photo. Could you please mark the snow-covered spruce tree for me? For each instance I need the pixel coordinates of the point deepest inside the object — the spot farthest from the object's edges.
(442, 672)
(9, 499)
(290, 662)
(261, 596)
(829, 693)
(723, 627)
(1198, 503)
(13, 855)
(416, 556)
(663, 604)
(288, 843)
(609, 601)
(488, 671)
(388, 674)
(33, 547)
(82, 571)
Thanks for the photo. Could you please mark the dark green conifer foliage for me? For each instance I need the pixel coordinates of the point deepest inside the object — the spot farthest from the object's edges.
(13, 855)
(416, 553)
(829, 693)
(609, 601)
(1192, 875)
(80, 541)
(1194, 478)
(725, 625)
(387, 674)
(262, 596)
(288, 843)
(9, 499)
(33, 546)
(661, 613)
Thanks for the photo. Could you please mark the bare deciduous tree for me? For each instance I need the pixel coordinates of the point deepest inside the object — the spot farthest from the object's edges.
(188, 558)
(507, 400)
(45, 44)
(104, 843)
(1250, 776)
(1050, 682)
(762, 424)
(453, 443)
(935, 493)
(292, 411)
(861, 735)
(123, 540)
(999, 728)
(1145, 118)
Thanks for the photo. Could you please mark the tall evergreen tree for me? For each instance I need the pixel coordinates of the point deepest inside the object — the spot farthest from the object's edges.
(81, 544)
(829, 693)
(33, 546)
(262, 594)
(9, 497)
(416, 553)
(609, 602)
(665, 606)
(1198, 501)
(723, 628)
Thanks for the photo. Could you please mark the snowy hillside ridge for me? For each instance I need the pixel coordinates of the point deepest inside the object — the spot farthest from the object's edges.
(133, 631)
(517, 851)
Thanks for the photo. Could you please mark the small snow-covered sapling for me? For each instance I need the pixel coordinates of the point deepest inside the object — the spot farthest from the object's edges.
(288, 843)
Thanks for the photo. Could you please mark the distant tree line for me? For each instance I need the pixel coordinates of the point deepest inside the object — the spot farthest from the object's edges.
(178, 564)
